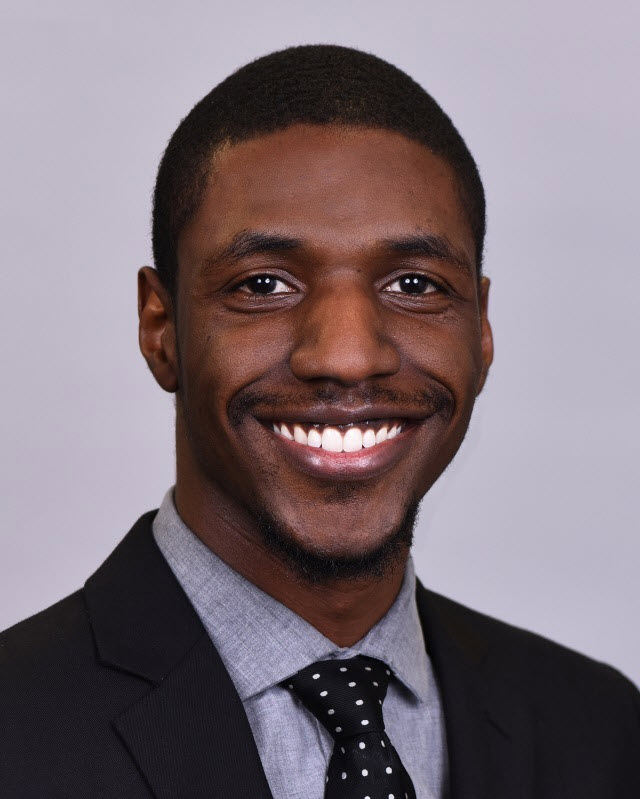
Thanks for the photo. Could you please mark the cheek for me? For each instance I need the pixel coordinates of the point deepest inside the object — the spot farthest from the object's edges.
(445, 348)
(226, 356)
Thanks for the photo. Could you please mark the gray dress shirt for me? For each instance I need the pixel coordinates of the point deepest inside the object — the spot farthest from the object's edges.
(261, 642)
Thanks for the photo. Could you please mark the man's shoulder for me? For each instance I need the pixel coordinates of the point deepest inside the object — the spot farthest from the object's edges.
(547, 672)
(57, 703)
(59, 632)
(49, 659)
(58, 643)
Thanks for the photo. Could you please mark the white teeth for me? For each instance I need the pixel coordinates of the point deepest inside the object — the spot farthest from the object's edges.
(299, 434)
(331, 440)
(353, 439)
(368, 438)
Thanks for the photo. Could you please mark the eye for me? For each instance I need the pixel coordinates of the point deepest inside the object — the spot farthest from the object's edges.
(263, 285)
(413, 284)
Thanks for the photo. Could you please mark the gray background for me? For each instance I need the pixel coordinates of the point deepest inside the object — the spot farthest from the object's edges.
(535, 521)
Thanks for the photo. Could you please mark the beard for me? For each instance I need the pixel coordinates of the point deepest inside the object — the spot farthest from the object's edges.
(315, 567)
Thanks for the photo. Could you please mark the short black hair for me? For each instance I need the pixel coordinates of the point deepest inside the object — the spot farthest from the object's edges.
(312, 84)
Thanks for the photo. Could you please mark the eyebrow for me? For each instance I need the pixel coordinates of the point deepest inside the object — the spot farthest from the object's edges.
(252, 242)
(429, 245)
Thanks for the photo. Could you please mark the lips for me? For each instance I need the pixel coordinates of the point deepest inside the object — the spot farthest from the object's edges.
(336, 457)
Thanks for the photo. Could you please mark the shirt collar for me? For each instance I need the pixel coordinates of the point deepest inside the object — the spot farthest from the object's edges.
(260, 640)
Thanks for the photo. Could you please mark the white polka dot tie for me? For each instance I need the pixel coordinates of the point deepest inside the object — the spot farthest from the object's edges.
(346, 696)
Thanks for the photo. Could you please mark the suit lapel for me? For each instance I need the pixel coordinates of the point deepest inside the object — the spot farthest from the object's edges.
(487, 723)
(189, 734)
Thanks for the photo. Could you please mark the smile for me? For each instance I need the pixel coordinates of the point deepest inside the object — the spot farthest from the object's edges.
(343, 449)
(341, 438)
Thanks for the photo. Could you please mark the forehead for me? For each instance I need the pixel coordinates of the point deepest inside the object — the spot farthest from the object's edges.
(332, 186)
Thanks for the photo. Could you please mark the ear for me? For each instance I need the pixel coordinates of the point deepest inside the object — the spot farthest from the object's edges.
(157, 331)
(486, 336)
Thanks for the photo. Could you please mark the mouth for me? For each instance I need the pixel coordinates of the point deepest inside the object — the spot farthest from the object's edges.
(341, 449)
(350, 437)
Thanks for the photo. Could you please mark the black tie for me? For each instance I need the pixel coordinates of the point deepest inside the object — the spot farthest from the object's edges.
(346, 697)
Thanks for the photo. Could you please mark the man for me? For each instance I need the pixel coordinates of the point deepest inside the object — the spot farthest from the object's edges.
(318, 308)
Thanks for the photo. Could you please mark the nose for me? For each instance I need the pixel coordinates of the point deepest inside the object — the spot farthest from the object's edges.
(341, 337)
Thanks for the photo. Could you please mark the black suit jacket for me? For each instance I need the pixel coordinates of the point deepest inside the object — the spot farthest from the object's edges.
(117, 691)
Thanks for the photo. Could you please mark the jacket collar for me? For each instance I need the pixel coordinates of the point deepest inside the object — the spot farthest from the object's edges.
(189, 735)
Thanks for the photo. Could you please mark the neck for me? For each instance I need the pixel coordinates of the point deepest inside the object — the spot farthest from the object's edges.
(343, 610)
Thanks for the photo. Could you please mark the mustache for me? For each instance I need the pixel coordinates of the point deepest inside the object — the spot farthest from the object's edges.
(431, 401)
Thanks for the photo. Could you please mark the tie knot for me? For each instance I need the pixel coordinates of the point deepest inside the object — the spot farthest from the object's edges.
(345, 696)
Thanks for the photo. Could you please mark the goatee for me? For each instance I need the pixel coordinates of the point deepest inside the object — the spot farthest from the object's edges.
(315, 567)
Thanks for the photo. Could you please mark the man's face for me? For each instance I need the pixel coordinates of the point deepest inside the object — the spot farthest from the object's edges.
(327, 291)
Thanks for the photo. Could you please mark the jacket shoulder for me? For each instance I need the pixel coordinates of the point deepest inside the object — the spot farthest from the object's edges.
(54, 634)
(562, 688)
(530, 653)
(576, 720)
(57, 702)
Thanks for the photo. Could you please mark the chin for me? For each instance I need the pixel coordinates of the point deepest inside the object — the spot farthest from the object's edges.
(327, 564)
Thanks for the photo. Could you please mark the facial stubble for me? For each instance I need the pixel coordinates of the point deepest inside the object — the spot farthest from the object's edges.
(317, 567)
